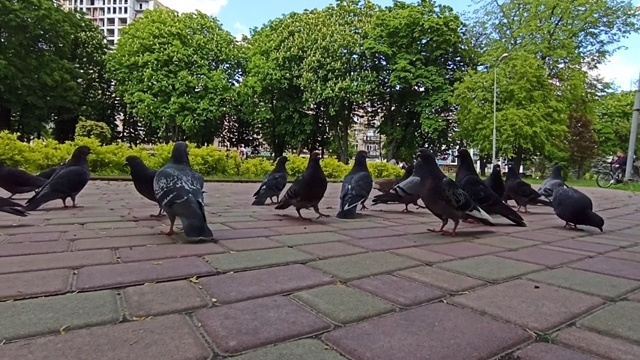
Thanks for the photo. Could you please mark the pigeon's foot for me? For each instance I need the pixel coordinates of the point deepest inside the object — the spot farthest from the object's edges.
(170, 232)
(302, 217)
(316, 209)
(406, 210)
(64, 203)
(525, 210)
(156, 215)
(435, 230)
(571, 226)
(362, 207)
(76, 206)
(448, 233)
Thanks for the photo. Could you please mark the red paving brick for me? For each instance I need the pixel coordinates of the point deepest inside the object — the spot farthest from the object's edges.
(121, 247)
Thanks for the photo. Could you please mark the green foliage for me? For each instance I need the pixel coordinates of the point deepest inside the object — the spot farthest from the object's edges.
(93, 129)
(384, 170)
(613, 121)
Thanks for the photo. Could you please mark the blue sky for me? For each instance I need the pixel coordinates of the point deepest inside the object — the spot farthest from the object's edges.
(238, 16)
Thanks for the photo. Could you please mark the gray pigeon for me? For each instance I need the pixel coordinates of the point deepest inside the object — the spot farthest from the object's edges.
(17, 181)
(178, 189)
(550, 184)
(356, 187)
(495, 182)
(385, 185)
(521, 191)
(142, 177)
(405, 192)
(67, 182)
(273, 184)
(47, 174)
(11, 207)
(575, 208)
(307, 190)
(444, 198)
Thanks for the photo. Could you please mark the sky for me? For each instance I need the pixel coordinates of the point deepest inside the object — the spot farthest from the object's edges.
(238, 16)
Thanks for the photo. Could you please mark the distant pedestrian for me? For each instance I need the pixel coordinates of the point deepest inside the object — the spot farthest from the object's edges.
(393, 162)
(242, 152)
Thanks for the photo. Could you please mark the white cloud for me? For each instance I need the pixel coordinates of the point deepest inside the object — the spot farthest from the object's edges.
(621, 69)
(209, 7)
(240, 30)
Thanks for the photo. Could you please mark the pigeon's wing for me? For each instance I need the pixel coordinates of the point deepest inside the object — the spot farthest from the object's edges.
(293, 194)
(4, 202)
(479, 192)
(67, 182)
(24, 179)
(192, 216)
(11, 207)
(171, 185)
(272, 185)
(457, 198)
(408, 187)
(355, 190)
(262, 185)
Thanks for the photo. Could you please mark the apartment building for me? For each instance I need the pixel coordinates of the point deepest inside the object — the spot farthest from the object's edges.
(367, 136)
(111, 15)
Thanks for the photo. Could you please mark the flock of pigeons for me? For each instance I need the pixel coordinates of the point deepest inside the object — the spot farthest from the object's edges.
(179, 191)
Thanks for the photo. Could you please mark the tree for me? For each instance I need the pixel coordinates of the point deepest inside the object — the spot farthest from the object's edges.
(93, 129)
(176, 73)
(612, 124)
(581, 141)
(418, 54)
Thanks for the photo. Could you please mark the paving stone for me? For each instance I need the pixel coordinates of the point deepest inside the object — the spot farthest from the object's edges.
(249, 244)
(16, 230)
(332, 249)
(161, 299)
(39, 237)
(606, 241)
(545, 257)
(33, 317)
(635, 297)
(441, 279)
(383, 243)
(84, 220)
(343, 305)
(540, 236)
(117, 275)
(241, 327)
(634, 249)
(18, 249)
(303, 229)
(370, 233)
(618, 320)
(121, 242)
(168, 251)
(29, 284)
(545, 351)
(600, 345)
(166, 337)
(567, 250)
(537, 307)
(110, 225)
(506, 242)
(257, 259)
(305, 239)
(624, 255)
(244, 233)
(68, 260)
(413, 333)
(585, 246)
(490, 268)
(362, 265)
(261, 224)
(397, 290)
(108, 233)
(307, 349)
(463, 249)
(609, 266)
(247, 285)
(424, 256)
(605, 286)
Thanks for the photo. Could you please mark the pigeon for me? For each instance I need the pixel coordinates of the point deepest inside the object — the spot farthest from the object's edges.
(550, 184)
(495, 181)
(356, 187)
(443, 197)
(178, 189)
(11, 207)
(307, 190)
(273, 184)
(520, 191)
(575, 208)
(480, 193)
(17, 181)
(66, 182)
(47, 174)
(385, 185)
(405, 192)
(142, 177)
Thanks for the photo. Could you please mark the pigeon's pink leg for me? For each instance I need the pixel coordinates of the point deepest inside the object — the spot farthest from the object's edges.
(453, 232)
(320, 215)
(441, 230)
(406, 209)
(64, 203)
(525, 209)
(171, 232)
(73, 200)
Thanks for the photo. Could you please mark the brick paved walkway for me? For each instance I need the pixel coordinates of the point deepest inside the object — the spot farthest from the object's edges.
(102, 283)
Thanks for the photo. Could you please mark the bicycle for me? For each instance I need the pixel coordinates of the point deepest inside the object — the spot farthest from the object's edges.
(607, 177)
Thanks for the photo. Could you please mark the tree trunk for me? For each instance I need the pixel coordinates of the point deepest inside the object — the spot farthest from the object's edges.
(517, 159)
(483, 166)
(5, 118)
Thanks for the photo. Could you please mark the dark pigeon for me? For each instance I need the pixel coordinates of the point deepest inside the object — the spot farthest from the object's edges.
(405, 192)
(575, 208)
(495, 181)
(385, 185)
(444, 198)
(550, 184)
(17, 181)
(178, 189)
(307, 190)
(11, 207)
(47, 174)
(468, 179)
(520, 191)
(356, 187)
(273, 184)
(142, 177)
(67, 182)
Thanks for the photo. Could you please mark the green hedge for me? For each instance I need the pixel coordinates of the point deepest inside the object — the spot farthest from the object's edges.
(108, 160)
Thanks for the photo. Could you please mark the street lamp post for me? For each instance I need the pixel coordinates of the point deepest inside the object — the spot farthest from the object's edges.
(495, 96)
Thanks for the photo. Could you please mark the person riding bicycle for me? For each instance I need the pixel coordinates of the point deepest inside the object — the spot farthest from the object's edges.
(619, 165)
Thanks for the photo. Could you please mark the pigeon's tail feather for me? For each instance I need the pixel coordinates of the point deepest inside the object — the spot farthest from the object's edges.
(507, 212)
(541, 201)
(261, 199)
(40, 199)
(485, 222)
(479, 214)
(348, 213)
(386, 198)
(192, 218)
(14, 211)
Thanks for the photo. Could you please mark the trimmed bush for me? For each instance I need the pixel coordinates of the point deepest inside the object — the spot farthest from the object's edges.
(108, 160)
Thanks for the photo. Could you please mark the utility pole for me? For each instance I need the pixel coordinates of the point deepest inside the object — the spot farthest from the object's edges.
(633, 136)
(495, 97)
